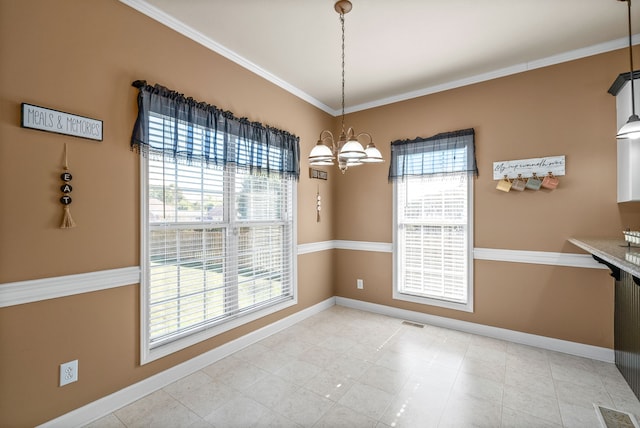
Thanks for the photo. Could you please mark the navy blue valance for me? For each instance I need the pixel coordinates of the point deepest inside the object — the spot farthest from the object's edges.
(180, 128)
(445, 153)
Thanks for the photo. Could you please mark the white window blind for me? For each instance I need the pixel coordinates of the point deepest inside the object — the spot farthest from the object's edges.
(219, 241)
(432, 238)
(433, 219)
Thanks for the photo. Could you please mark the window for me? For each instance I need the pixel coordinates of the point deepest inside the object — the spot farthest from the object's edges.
(433, 201)
(217, 237)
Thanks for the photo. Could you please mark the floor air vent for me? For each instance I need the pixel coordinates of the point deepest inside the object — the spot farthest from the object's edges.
(412, 324)
(611, 418)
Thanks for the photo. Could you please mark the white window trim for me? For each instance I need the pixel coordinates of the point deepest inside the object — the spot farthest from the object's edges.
(397, 295)
(147, 354)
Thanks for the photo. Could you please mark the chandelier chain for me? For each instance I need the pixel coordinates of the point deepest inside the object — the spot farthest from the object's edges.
(342, 23)
(348, 150)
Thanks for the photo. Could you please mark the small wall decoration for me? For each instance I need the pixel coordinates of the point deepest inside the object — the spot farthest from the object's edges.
(519, 184)
(528, 167)
(65, 199)
(317, 173)
(318, 206)
(504, 185)
(534, 183)
(45, 119)
(550, 182)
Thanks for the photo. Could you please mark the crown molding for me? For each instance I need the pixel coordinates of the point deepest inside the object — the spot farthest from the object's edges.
(178, 26)
(502, 72)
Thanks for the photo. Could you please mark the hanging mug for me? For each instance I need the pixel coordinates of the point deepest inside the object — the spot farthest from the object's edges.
(518, 184)
(550, 182)
(534, 182)
(504, 185)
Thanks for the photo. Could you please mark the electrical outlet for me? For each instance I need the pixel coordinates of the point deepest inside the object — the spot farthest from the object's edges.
(360, 284)
(68, 372)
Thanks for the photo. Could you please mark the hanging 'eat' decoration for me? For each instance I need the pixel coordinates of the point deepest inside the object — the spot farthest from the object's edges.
(65, 200)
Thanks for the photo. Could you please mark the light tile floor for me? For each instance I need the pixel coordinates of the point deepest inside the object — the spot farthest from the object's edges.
(348, 368)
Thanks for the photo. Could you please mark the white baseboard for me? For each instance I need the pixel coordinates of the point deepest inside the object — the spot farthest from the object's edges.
(567, 347)
(102, 407)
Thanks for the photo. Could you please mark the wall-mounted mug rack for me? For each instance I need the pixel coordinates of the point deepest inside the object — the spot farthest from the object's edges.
(529, 174)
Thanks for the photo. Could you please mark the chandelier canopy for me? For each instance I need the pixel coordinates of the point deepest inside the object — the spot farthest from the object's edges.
(348, 149)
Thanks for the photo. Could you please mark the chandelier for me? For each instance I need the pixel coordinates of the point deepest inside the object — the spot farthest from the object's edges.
(348, 149)
(631, 129)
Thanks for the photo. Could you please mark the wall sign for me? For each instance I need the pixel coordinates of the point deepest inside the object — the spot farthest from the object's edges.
(317, 173)
(525, 168)
(45, 119)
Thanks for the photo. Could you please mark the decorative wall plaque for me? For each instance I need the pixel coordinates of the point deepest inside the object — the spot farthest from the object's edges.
(528, 167)
(45, 119)
(317, 173)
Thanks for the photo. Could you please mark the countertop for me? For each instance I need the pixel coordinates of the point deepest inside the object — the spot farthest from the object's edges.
(614, 251)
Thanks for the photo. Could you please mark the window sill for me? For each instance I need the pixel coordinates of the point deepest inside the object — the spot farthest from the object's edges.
(464, 307)
(149, 355)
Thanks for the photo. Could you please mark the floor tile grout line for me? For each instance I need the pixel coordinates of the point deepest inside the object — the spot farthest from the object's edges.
(433, 342)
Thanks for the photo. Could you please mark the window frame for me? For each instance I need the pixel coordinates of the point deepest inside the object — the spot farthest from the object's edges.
(148, 353)
(397, 252)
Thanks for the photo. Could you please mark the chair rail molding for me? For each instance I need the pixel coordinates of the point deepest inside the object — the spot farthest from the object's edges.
(29, 291)
(35, 290)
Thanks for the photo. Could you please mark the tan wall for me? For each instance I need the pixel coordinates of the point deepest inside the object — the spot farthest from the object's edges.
(81, 57)
(560, 110)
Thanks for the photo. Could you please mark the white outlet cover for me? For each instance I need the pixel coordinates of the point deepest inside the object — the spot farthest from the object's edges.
(68, 372)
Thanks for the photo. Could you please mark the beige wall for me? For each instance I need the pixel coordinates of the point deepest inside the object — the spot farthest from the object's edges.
(559, 110)
(81, 57)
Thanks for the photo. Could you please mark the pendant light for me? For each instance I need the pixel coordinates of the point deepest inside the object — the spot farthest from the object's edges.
(631, 129)
(348, 149)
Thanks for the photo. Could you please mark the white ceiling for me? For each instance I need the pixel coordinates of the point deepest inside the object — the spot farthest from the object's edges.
(395, 49)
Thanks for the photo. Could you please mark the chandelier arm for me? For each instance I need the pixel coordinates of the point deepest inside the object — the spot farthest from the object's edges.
(351, 134)
(323, 136)
(333, 145)
(365, 134)
(327, 136)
